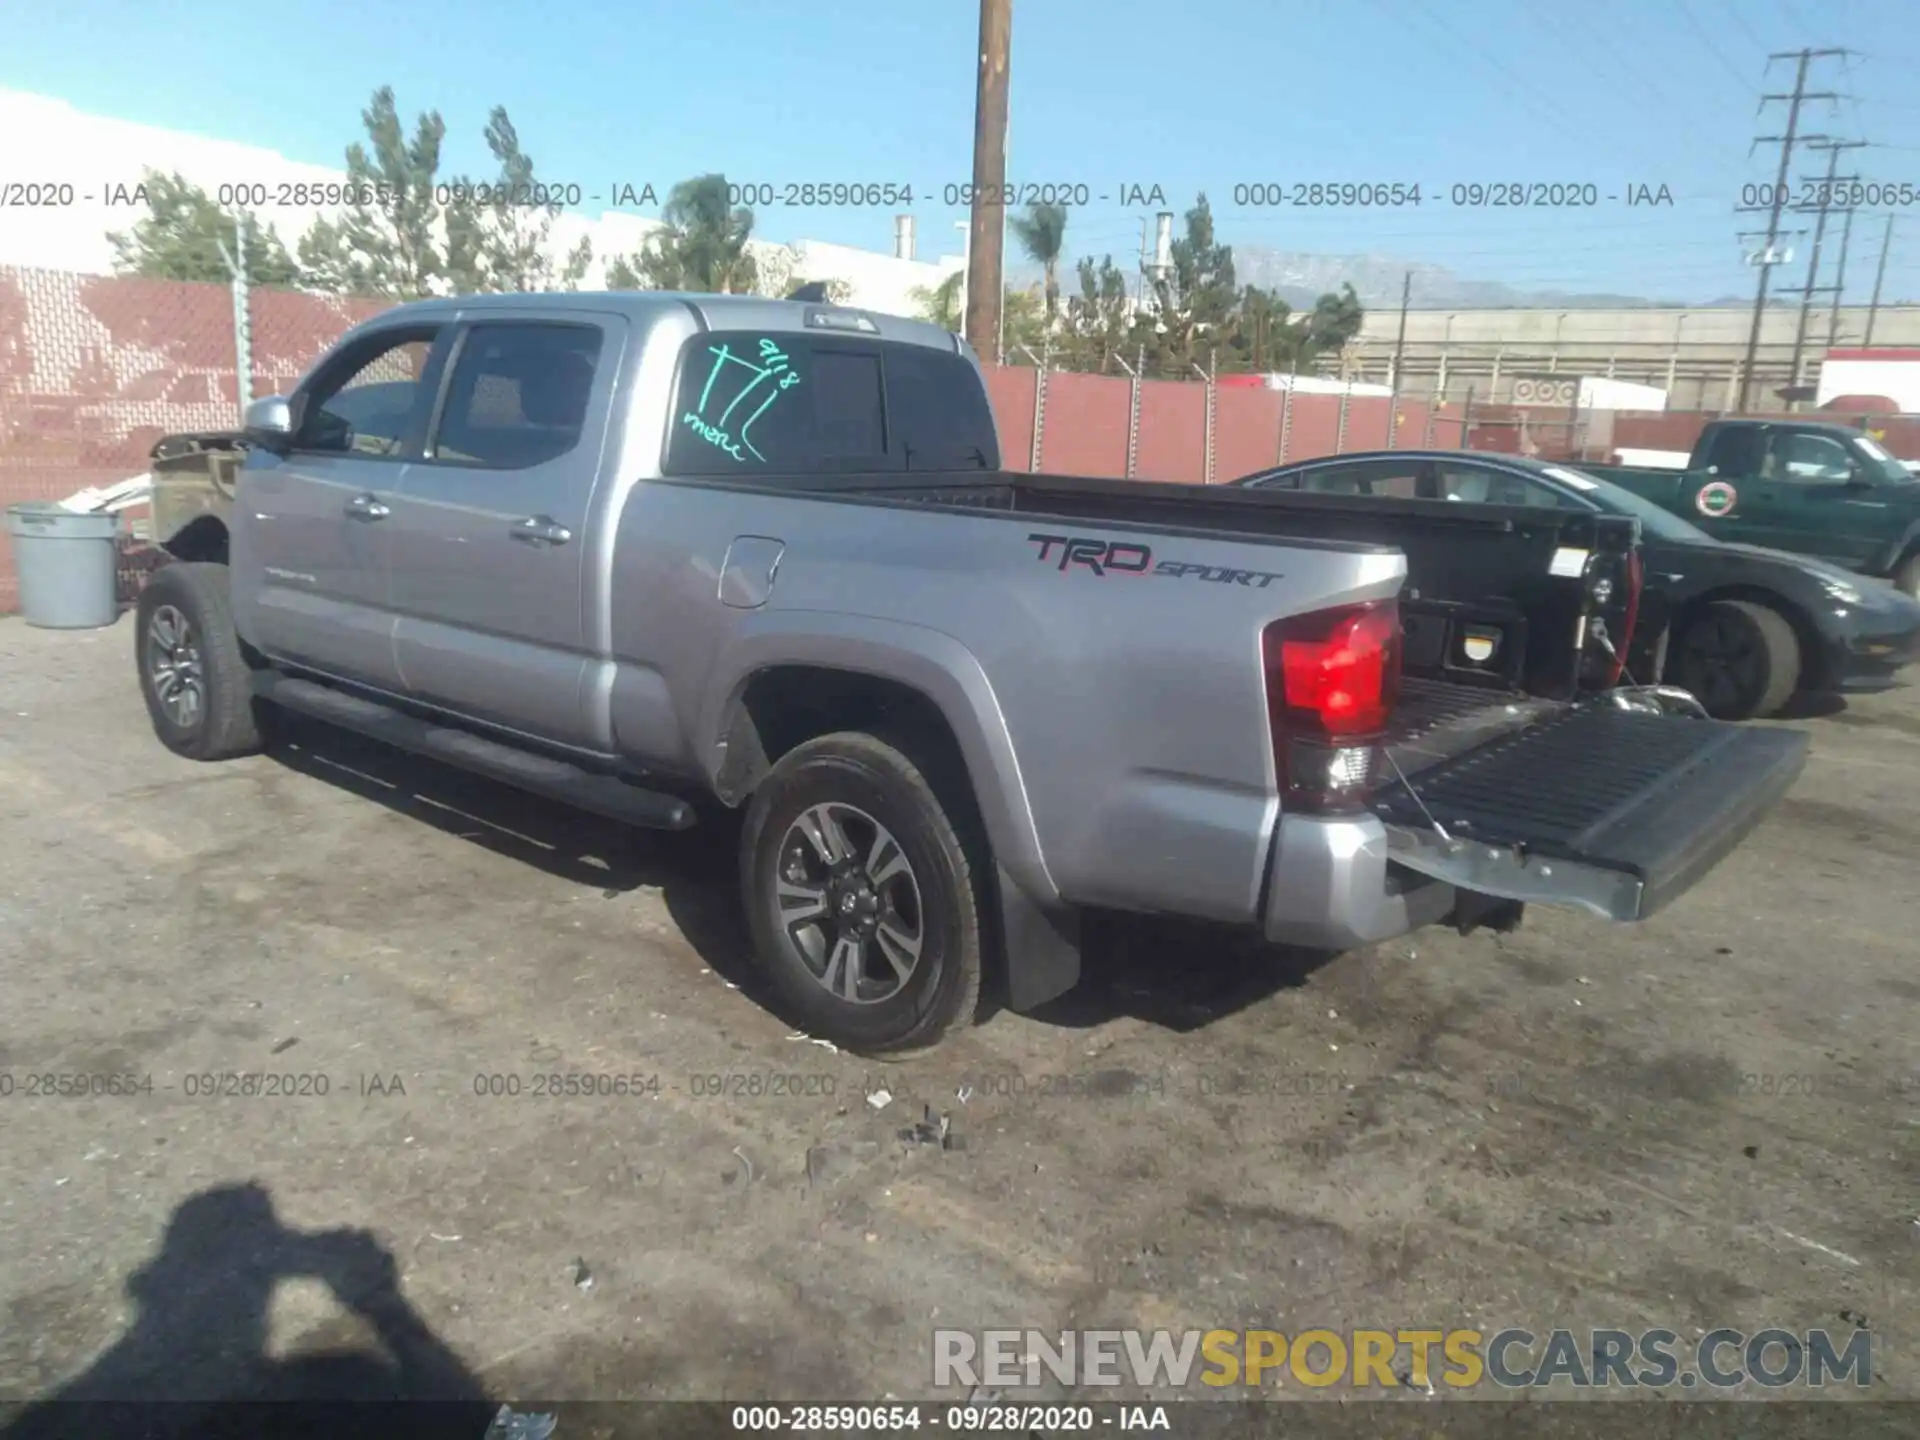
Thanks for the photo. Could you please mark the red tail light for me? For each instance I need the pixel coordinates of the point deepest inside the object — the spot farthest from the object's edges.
(1338, 670)
(1332, 679)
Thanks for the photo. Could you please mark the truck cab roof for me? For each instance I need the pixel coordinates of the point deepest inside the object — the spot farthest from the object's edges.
(715, 312)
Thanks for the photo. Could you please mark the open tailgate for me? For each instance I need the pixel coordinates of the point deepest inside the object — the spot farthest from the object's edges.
(1599, 808)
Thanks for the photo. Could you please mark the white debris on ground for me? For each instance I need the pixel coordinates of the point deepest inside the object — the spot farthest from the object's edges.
(110, 499)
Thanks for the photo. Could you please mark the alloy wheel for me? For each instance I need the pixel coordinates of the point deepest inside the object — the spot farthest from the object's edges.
(174, 667)
(846, 898)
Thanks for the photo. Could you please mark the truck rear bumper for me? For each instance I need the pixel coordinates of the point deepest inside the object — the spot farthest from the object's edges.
(1331, 886)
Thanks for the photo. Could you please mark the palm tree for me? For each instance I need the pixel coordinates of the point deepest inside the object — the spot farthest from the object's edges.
(1042, 233)
(940, 304)
(704, 244)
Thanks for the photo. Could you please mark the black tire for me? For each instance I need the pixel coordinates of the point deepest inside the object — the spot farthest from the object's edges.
(1741, 660)
(1906, 576)
(866, 780)
(206, 657)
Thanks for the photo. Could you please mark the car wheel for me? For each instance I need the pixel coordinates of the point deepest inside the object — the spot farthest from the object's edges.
(864, 905)
(1906, 576)
(1740, 660)
(193, 670)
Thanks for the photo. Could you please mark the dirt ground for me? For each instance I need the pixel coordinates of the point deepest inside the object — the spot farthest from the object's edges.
(1705, 1120)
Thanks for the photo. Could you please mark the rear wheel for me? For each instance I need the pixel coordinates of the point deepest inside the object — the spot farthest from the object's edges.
(1740, 660)
(193, 670)
(864, 907)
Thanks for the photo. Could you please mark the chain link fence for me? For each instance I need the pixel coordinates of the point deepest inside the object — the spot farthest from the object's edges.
(95, 369)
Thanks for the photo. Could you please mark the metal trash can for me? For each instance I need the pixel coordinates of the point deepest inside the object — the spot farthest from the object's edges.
(68, 563)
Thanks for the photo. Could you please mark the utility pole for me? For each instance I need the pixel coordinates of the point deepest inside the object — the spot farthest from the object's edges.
(1399, 351)
(986, 252)
(1144, 222)
(1826, 186)
(1786, 142)
(1400, 341)
(236, 260)
(1879, 277)
(1840, 279)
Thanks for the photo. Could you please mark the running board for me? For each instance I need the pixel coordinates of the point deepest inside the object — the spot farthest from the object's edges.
(604, 795)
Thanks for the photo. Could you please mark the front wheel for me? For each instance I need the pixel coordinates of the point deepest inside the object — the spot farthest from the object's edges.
(194, 674)
(864, 907)
(1740, 660)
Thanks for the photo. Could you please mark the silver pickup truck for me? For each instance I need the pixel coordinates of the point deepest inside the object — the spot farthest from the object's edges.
(665, 556)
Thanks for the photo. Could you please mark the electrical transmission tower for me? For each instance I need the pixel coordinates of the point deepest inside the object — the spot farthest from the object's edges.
(1769, 254)
(1831, 193)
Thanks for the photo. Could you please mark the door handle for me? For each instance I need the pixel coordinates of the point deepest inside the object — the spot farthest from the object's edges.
(541, 530)
(365, 507)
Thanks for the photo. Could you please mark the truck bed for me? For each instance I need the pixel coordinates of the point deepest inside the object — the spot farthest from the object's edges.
(1501, 569)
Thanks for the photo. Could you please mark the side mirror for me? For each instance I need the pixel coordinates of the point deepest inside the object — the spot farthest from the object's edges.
(269, 423)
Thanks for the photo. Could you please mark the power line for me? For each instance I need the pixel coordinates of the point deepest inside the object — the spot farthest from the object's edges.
(1879, 276)
(1794, 19)
(1732, 7)
(1713, 48)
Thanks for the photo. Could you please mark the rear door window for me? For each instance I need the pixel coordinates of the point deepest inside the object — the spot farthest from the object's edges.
(518, 395)
(1485, 485)
(1736, 450)
(1394, 479)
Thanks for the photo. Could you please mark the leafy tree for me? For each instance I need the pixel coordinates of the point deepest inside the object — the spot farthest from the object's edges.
(1194, 303)
(940, 304)
(624, 274)
(1261, 339)
(703, 245)
(1023, 323)
(398, 239)
(507, 244)
(1335, 320)
(1099, 318)
(776, 268)
(1042, 233)
(384, 243)
(181, 235)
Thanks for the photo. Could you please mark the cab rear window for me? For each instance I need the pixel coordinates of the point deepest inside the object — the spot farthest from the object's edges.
(749, 402)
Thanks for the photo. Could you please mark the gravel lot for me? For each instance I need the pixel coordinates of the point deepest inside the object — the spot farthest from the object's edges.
(1705, 1120)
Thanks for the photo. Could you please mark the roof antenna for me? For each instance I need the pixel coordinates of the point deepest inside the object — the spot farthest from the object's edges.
(813, 293)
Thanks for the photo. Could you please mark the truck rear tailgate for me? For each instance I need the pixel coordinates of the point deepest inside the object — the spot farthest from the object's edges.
(1607, 810)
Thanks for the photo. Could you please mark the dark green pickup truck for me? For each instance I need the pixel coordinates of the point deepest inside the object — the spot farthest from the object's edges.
(1823, 490)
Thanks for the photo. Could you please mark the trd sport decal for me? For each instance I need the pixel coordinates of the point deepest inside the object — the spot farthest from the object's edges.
(1123, 557)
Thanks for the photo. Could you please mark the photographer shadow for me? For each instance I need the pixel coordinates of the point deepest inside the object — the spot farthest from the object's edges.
(194, 1364)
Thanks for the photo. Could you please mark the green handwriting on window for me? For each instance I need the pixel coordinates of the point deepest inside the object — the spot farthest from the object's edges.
(734, 379)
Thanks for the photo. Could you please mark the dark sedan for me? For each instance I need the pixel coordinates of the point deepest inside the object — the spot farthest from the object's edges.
(1745, 629)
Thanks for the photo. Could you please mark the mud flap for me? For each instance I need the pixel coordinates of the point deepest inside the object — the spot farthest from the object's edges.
(1604, 810)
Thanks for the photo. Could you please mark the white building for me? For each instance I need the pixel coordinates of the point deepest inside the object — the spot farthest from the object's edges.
(87, 167)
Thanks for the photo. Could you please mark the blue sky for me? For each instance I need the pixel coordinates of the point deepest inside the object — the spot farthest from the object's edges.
(1105, 95)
